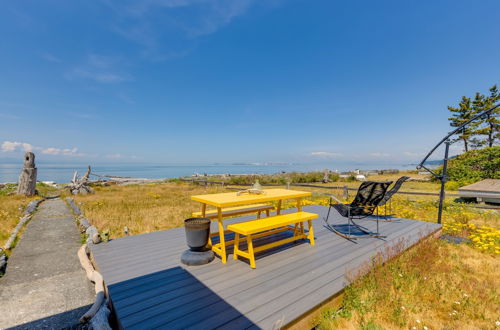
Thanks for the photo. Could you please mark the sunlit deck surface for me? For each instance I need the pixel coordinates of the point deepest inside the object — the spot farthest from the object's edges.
(150, 288)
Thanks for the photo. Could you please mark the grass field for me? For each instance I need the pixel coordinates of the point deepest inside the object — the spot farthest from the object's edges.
(436, 285)
(141, 208)
(12, 206)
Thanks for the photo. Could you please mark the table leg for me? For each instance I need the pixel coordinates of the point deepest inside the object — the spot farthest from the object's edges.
(299, 204)
(278, 209)
(221, 236)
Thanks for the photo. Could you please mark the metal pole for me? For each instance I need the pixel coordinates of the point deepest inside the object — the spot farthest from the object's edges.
(443, 179)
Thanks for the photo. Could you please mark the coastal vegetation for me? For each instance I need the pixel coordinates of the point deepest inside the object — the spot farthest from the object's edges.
(435, 285)
(472, 166)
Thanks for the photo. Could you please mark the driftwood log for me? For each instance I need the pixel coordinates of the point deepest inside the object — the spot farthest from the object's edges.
(84, 224)
(73, 206)
(100, 319)
(95, 277)
(27, 215)
(93, 235)
(80, 185)
(27, 179)
(3, 261)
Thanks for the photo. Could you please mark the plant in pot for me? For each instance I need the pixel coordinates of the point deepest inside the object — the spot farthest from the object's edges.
(197, 234)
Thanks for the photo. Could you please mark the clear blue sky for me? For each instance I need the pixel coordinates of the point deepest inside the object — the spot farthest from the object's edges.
(180, 81)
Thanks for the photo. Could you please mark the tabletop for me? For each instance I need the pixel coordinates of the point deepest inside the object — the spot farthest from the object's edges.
(232, 198)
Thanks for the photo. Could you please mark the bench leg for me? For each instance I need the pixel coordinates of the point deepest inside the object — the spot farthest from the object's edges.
(267, 213)
(310, 236)
(250, 251)
(236, 246)
(258, 215)
(222, 243)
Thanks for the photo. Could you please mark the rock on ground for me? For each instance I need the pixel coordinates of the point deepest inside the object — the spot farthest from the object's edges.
(44, 286)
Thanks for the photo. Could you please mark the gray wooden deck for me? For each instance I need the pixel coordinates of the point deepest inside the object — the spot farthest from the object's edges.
(150, 288)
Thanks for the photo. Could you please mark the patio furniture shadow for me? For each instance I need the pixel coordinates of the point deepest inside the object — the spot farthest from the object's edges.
(171, 298)
(353, 230)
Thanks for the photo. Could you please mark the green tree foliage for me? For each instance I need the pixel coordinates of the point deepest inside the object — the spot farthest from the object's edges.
(460, 115)
(489, 126)
(482, 132)
(474, 165)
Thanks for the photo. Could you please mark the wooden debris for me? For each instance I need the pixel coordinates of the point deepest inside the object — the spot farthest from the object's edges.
(93, 235)
(95, 277)
(16, 230)
(84, 224)
(100, 319)
(80, 185)
(32, 206)
(3, 261)
(73, 206)
(27, 179)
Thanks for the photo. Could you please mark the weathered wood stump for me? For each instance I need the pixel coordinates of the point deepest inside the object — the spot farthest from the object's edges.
(27, 179)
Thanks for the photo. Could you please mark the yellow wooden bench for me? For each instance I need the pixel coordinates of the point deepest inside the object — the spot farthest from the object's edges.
(269, 226)
(238, 210)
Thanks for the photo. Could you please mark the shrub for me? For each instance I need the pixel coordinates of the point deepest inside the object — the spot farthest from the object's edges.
(473, 166)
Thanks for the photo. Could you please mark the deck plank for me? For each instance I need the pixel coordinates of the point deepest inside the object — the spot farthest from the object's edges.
(150, 288)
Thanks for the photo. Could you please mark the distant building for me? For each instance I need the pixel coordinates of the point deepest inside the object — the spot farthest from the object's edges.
(487, 191)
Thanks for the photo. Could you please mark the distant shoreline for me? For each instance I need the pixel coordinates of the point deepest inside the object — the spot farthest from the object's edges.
(64, 174)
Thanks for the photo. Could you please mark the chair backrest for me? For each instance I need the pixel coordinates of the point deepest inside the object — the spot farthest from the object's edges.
(393, 190)
(369, 195)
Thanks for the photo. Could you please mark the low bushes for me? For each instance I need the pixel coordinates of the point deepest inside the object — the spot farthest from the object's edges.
(473, 166)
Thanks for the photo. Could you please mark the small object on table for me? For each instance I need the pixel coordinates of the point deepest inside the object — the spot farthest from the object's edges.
(197, 234)
(256, 189)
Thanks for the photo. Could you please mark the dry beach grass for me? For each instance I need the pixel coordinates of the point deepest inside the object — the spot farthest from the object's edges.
(436, 285)
(11, 209)
(141, 208)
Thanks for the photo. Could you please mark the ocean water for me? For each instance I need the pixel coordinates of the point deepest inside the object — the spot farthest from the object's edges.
(64, 173)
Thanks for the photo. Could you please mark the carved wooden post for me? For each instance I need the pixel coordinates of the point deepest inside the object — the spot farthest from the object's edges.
(27, 179)
(346, 192)
(326, 177)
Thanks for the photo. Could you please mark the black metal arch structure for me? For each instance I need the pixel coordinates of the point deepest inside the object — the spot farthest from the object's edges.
(446, 140)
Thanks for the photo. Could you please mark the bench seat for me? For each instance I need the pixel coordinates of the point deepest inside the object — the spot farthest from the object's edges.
(238, 210)
(268, 226)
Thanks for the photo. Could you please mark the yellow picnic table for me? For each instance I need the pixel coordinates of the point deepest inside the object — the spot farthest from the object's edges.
(223, 200)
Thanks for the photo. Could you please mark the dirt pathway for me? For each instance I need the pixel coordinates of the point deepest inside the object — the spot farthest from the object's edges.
(44, 286)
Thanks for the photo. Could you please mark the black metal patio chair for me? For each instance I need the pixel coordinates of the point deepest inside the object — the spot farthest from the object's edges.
(367, 199)
(388, 196)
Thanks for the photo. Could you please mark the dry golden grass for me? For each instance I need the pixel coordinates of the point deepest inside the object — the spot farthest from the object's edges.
(142, 208)
(436, 285)
(11, 209)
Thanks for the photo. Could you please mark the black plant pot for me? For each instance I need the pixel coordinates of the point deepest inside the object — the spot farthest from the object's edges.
(197, 233)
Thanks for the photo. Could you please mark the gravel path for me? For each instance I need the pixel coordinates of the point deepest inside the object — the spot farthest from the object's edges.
(44, 286)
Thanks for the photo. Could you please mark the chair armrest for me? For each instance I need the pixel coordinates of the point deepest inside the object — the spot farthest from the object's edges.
(337, 200)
